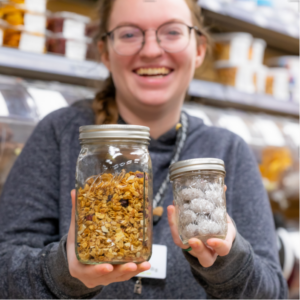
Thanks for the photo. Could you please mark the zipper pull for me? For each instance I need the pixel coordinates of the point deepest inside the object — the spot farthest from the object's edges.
(138, 286)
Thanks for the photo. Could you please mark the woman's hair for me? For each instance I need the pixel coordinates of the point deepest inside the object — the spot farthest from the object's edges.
(104, 104)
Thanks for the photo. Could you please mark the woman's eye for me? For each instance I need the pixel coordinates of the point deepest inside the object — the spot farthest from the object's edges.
(174, 32)
(127, 36)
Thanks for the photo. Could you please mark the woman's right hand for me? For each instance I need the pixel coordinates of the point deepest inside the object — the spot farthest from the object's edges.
(102, 274)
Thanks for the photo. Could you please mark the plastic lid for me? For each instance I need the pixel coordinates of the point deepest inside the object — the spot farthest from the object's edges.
(197, 164)
(226, 37)
(135, 132)
(71, 15)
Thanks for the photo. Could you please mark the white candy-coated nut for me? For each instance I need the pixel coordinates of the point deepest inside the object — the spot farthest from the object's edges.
(187, 217)
(201, 206)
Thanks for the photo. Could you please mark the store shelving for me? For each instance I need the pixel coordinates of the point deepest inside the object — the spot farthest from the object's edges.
(277, 33)
(50, 67)
(226, 96)
(87, 73)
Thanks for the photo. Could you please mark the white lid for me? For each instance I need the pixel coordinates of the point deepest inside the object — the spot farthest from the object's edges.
(226, 37)
(260, 41)
(71, 15)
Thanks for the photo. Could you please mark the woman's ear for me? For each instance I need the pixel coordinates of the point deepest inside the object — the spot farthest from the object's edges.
(102, 47)
(201, 51)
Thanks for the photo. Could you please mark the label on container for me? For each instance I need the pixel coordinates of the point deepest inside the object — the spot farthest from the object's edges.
(3, 107)
(36, 5)
(35, 23)
(76, 50)
(158, 263)
(32, 43)
(47, 101)
(73, 29)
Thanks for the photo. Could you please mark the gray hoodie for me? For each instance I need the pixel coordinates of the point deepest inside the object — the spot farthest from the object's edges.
(35, 211)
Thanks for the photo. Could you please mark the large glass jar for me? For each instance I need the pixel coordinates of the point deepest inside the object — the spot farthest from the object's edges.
(113, 195)
(199, 197)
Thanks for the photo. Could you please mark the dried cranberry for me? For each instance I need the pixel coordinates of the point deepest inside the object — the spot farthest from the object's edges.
(140, 175)
(124, 202)
(89, 217)
(109, 198)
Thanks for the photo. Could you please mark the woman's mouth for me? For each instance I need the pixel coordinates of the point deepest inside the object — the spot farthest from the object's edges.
(153, 72)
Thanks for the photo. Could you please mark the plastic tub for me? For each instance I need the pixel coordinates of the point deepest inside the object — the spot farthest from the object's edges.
(70, 25)
(71, 48)
(232, 47)
(239, 76)
(257, 51)
(277, 83)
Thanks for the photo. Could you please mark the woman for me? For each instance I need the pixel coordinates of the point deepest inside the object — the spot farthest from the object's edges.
(150, 76)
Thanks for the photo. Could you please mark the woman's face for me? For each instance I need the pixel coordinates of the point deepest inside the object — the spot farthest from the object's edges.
(149, 90)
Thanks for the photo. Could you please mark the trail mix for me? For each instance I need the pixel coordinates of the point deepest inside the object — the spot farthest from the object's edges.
(113, 218)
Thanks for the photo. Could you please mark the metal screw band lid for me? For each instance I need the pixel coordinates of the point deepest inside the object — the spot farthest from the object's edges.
(114, 132)
(198, 164)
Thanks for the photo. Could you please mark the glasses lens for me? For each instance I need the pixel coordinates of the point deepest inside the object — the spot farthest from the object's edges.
(173, 37)
(127, 40)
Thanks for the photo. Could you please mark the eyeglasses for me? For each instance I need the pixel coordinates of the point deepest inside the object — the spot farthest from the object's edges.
(172, 37)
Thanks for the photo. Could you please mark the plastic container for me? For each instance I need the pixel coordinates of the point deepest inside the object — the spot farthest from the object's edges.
(257, 52)
(239, 76)
(114, 195)
(70, 48)
(232, 47)
(70, 25)
(277, 83)
(291, 63)
(260, 76)
(199, 196)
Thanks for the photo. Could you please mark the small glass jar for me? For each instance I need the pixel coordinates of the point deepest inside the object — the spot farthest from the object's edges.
(199, 196)
(113, 195)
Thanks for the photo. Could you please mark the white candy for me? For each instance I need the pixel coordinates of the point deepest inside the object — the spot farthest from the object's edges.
(187, 217)
(189, 194)
(208, 227)
(186, 206)
(218, 215)
(201, 206)
(190, 231)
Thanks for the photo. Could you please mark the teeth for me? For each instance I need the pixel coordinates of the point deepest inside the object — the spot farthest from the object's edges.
(153, 71)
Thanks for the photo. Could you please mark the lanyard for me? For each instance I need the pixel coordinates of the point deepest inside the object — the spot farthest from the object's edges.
(181, 136)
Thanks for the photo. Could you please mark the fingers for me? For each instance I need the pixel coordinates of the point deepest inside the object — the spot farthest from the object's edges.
(173, 227)
(206, 257)
(225, 188)
(223, 247)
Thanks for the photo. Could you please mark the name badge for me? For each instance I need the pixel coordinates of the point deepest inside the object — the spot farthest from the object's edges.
(158, 263)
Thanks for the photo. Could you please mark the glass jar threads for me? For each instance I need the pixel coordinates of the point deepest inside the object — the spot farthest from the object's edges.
(113, 195)
(199, 196)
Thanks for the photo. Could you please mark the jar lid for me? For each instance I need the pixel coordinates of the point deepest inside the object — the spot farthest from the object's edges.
(197, 164)
(114, 132)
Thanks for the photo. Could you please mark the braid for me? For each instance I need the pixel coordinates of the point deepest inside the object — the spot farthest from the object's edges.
(104, 105)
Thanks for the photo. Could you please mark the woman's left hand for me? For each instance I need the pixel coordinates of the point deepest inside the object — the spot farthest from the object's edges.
(205, 256)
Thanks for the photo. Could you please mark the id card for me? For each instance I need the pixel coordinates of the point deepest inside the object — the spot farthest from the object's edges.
(158, 263)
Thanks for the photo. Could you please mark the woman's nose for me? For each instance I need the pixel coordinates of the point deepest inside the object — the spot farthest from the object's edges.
(151, 48)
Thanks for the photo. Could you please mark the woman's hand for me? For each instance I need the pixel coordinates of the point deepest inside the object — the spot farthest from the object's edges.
(102, 274)
(205, 256)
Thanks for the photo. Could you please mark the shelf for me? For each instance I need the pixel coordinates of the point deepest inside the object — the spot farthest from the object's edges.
(88, 73)
(50, 67)
(277, 34)
(220, 95)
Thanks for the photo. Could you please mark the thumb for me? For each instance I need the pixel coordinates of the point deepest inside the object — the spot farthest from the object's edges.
(71, 234)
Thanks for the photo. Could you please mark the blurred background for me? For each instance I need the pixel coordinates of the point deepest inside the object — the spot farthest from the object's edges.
(248, 84)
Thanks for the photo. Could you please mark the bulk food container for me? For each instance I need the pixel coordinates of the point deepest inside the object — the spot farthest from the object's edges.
(277, 83)
(232, 47)
(242, 77)
(199, 197)
(114, 195)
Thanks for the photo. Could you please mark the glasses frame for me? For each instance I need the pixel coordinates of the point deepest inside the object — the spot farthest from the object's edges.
(109, 34)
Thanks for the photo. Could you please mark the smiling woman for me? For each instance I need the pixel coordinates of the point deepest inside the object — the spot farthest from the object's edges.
(154, 69)
(151, 50)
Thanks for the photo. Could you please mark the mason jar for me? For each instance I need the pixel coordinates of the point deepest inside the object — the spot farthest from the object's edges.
(113, 195)
(199, 197)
